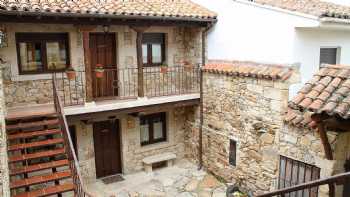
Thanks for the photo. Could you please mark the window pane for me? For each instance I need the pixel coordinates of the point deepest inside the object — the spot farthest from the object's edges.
(144, 53)
(232, 153)
(144, 133)
(328, 56)
(156, 53)
(56, 55)
(158, 130)
(31, 56)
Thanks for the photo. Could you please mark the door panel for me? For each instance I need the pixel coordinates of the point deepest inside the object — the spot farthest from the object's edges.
(107, 148)
(103, 51)
(346, 188)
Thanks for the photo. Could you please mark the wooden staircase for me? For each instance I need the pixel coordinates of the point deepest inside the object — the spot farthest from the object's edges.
(38, 161)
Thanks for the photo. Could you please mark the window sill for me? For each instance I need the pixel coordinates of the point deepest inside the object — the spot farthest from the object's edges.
(151, 147)
(32, 77)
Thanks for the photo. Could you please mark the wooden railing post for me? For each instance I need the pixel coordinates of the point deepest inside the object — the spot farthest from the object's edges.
(327, 150)
(139, 30)
(139, 64)
(87, 57)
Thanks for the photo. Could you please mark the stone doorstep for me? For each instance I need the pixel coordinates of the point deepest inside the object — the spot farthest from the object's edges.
(158, 158)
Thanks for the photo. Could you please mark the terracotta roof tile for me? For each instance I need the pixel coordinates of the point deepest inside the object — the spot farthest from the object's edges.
(318, 8)
(324, 96)
(298, 98)
(327, 92)
(249, 69)
(162, 8)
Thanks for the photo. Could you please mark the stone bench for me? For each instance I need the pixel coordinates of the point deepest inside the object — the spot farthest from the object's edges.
(148, 161)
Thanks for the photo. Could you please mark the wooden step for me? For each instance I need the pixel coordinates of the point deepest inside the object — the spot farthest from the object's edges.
(35, 144)
(37, 155)
(38, 167)
(40, 179)
(58, 189)
(32, 115)
(24, 125)
(31, 134)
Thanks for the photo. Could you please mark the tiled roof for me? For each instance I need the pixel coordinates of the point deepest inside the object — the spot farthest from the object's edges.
(249, 69)
(312, 7)
(147, 8)
(327, 92)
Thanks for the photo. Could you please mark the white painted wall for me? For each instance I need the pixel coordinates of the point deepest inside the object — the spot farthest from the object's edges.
(307, 48)
(245, 32)
(258, 33)
(341, 2)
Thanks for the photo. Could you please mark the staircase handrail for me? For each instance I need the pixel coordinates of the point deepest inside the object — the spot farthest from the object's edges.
(339, 178)
(80, 190)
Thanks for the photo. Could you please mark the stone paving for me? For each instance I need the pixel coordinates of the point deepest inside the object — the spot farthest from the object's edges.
(181, 180)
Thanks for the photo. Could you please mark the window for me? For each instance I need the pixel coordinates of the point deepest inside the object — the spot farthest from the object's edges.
(153, 128)
(329, 55)
(293, 172)
(153, 49)
(42, 52)
(232, 154)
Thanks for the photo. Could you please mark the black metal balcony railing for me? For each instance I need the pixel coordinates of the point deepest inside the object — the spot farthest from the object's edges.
(121, 84)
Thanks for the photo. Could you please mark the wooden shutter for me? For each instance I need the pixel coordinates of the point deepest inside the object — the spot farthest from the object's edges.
(293, 172)
(328, 56)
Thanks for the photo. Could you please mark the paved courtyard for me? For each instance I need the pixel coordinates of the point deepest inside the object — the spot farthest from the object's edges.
(182, 180)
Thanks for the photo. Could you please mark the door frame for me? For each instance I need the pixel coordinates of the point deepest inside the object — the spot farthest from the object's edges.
(119, 134)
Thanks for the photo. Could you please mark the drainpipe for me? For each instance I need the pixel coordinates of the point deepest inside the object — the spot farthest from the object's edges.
(200, 140)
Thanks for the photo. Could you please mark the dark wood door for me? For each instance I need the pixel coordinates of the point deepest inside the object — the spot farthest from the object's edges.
(103, 51)
(107, 148)
(346, 188)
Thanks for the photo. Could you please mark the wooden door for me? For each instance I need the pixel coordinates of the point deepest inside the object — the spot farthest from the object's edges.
(107, 148)
(103, 51)
(346, 188)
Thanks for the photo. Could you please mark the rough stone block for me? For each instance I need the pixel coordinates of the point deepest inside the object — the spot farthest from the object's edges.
(255, 88)
(273, 93)
(290, 139)
(267, 138)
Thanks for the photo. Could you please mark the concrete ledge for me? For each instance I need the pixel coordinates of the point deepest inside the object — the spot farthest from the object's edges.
(117, 104)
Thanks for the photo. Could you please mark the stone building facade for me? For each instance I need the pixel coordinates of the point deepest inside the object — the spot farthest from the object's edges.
(132, 151)
(249, 109)
(4, 179)
(183, 44)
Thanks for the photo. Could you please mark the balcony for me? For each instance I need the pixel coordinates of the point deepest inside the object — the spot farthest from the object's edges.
(125, 84)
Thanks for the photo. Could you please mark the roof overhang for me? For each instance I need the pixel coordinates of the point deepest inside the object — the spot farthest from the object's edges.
(101, 19)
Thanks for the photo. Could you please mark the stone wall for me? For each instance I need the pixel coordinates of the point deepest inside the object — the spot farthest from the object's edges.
(182, 44)
(4, 178)
(132, 151)
(251, 111)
